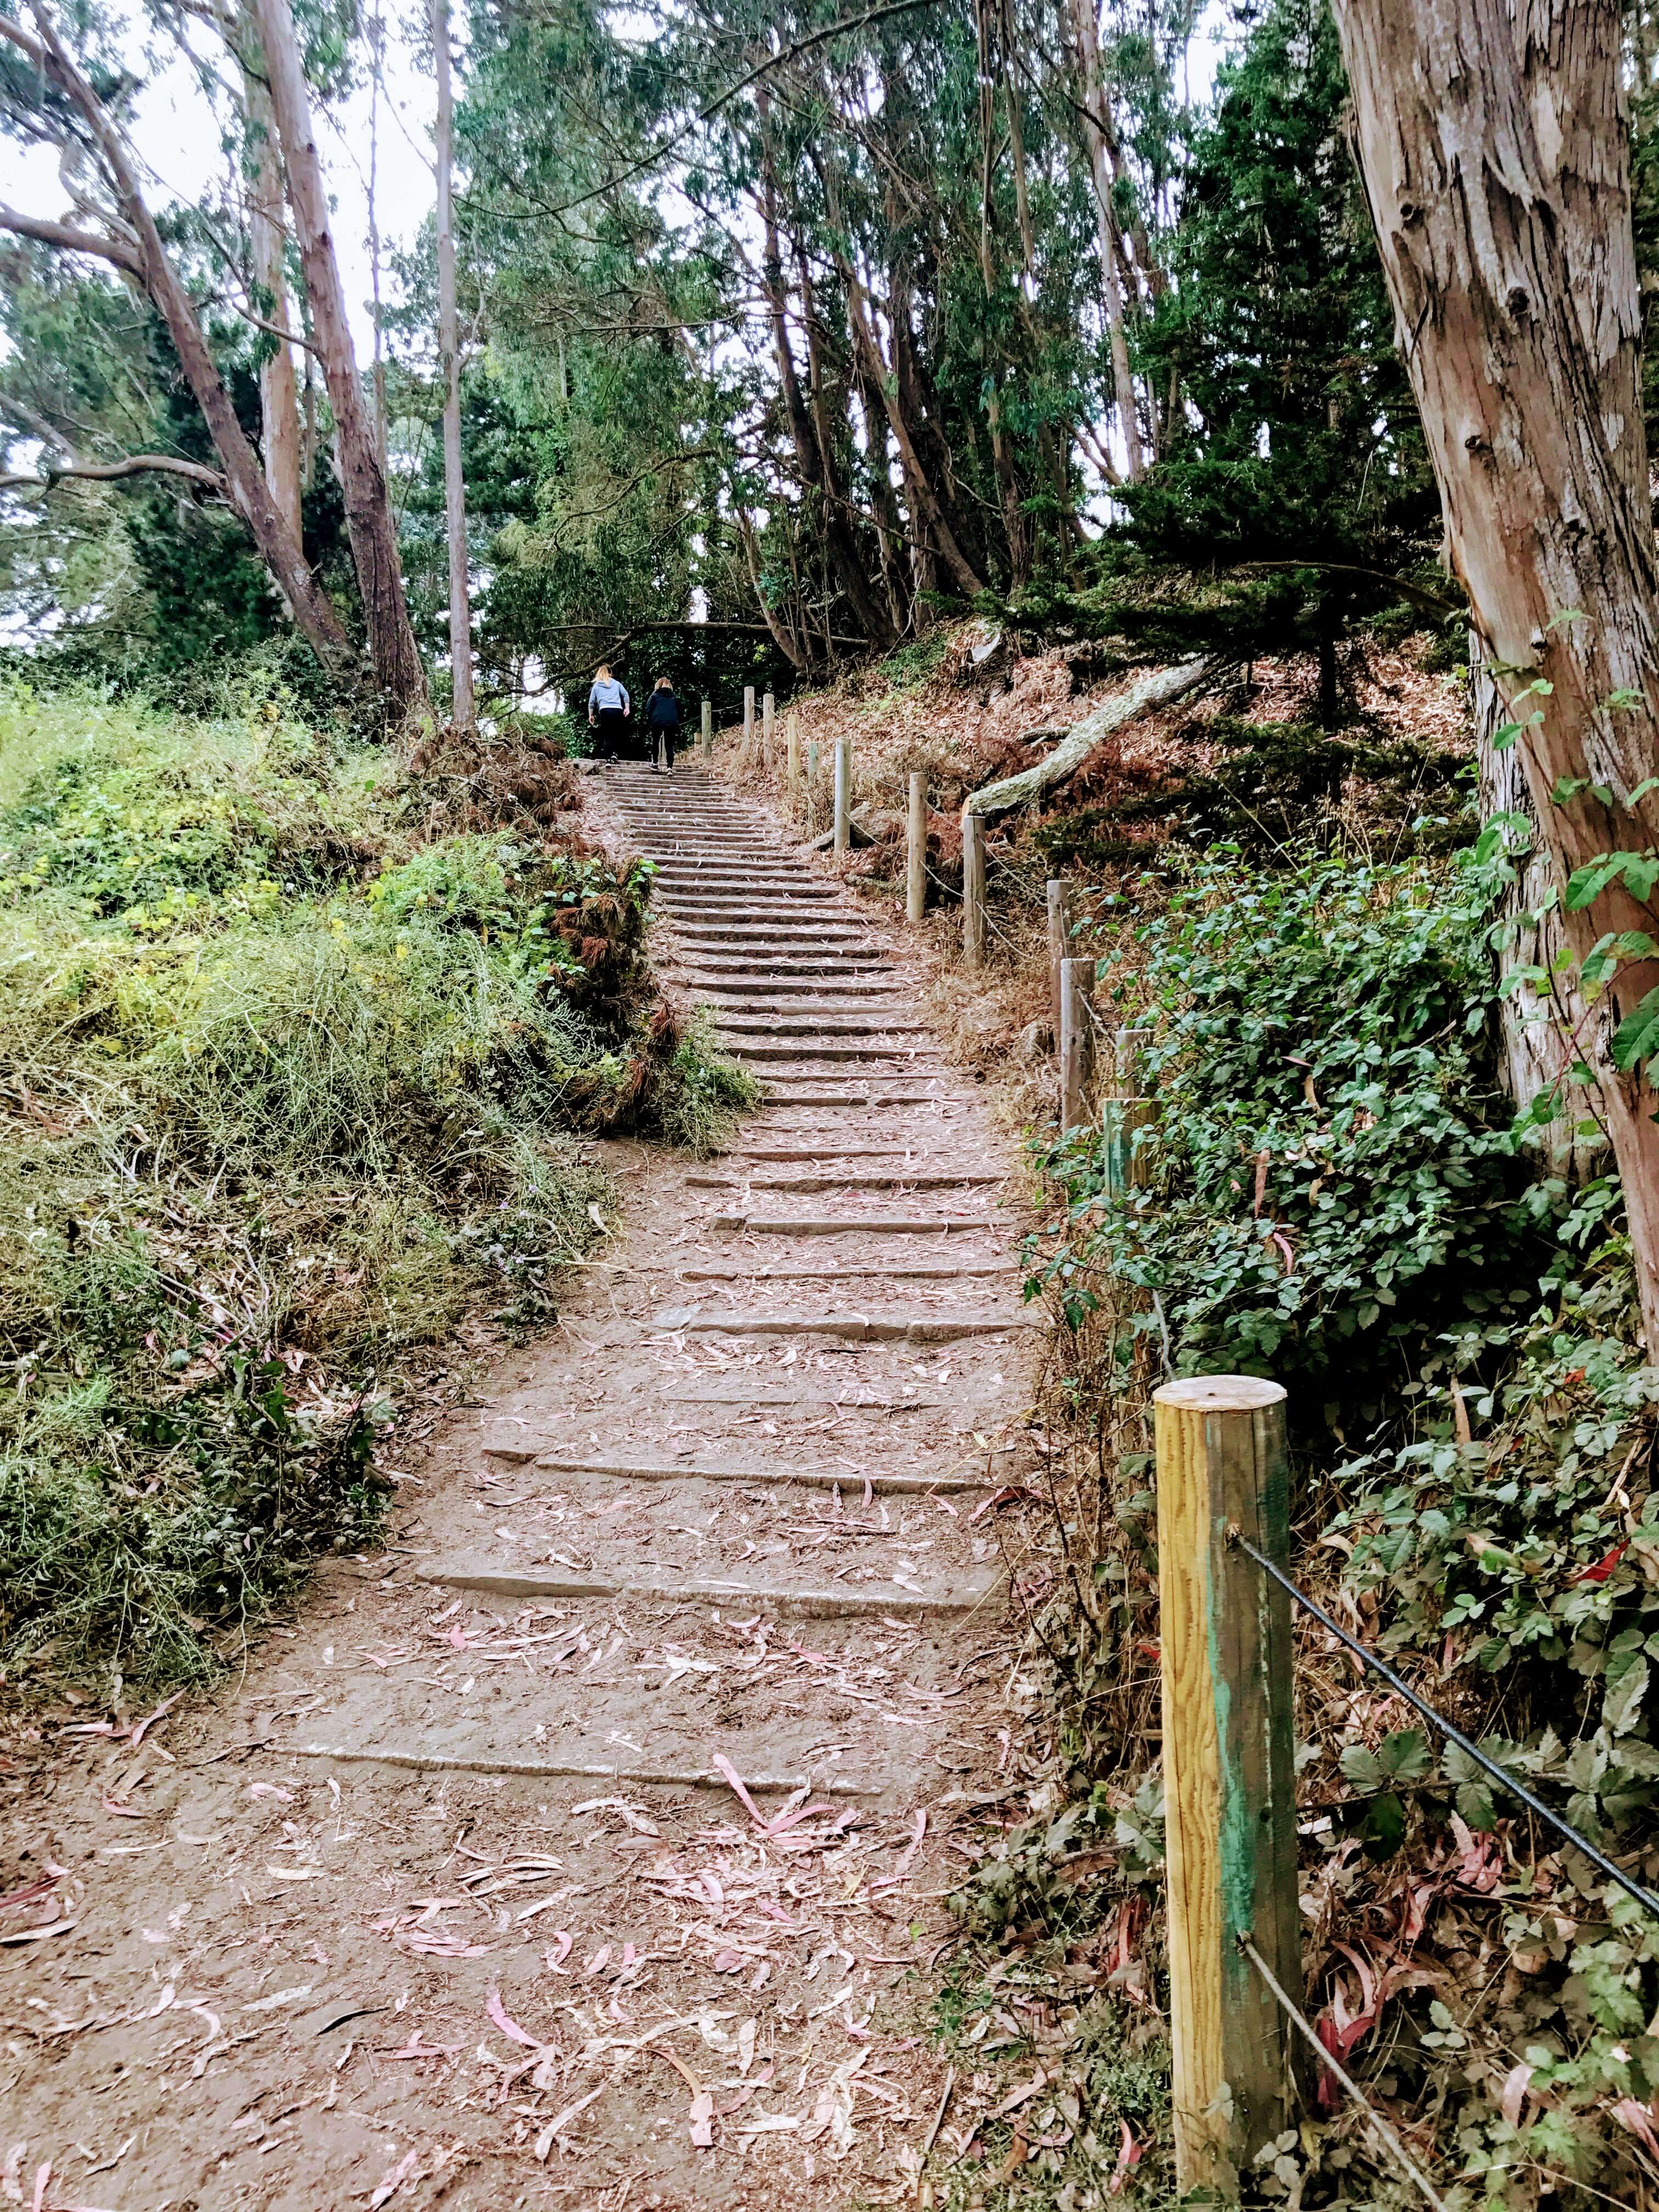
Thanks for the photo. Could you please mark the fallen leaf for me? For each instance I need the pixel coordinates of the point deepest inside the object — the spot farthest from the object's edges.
(1128, 2157)
(703, 2120)
(551, 2134)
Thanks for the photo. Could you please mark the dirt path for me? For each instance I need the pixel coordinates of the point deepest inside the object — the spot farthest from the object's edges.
(587, 1847)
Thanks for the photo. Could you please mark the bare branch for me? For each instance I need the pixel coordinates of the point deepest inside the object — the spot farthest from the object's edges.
(67, 238)
(108, 472)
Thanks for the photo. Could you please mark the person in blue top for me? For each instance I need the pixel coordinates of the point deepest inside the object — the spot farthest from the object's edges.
(608, 707)
(662, 717)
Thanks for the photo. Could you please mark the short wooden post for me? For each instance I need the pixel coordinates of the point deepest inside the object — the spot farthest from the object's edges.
(1077, 984)
(1059, 943)
(1126, 1164)
(768, 729)
(792, 742)
(812, 766)
(844, 836)
(708, 729)
(748, 725)
(973, 889)
(915, 857)
(1229, 1769)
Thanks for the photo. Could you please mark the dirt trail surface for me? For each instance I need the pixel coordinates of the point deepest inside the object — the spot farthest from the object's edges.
(587, 1847)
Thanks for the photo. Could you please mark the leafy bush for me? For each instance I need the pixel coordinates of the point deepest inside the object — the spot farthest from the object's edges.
(289, 1078)
(1334, 1164)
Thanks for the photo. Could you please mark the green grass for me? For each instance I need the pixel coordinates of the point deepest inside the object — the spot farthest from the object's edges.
(292, 1077)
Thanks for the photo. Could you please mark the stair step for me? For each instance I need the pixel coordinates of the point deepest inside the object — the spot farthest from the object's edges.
(634, 1777)
(845, 1328)
(838, 1274)
(827, 1603)
(905, 1179)
(880, 1225)
(812, 1478)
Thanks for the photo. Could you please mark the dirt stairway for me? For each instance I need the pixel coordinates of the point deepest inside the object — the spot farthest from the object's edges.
(589, 1845)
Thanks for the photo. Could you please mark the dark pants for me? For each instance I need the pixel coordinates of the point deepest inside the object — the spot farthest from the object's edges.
(613, 727)
(664, 735)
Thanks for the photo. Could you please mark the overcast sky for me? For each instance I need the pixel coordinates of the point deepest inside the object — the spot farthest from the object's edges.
(180, 140)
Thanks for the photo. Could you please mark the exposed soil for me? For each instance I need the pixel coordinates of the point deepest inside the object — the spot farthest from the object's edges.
(589, 1846)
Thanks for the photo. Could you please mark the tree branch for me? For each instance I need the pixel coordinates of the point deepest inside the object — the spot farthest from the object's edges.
(108, 472)
(64, 236)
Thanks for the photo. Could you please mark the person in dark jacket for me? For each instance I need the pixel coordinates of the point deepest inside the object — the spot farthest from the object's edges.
(662, 719)
(608, 707)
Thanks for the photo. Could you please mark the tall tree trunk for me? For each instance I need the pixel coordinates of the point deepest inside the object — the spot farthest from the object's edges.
(449, 369)
(279, 394)
(146, 259)
(813, 457)
(369, 522)
(1085, 33)
(1526, 379)
(1002, 451)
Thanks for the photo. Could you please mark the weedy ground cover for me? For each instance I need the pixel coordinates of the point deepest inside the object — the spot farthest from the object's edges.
(294, 1062)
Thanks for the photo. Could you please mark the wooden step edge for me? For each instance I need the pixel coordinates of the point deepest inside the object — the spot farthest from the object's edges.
(810, 1478)
(826, 1604)
(890, 1226)
(851, 1329)
(552, 1770)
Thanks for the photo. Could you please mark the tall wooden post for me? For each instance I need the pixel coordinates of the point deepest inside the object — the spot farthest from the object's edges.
(1229, 1768)
(792, 742)
(1059, 945)
(844, 836)
(915, 857)
(973, 889)
(708, 729)
(768, 729)
(1077, 983)
(748, 725)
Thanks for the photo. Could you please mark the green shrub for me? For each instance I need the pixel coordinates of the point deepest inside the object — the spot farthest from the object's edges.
(1335, 1165)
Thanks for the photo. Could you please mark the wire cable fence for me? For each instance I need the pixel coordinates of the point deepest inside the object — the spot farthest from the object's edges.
(1490, 1766)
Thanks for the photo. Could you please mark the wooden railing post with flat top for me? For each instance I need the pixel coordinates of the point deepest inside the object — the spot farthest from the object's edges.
(915, 856)
(812, 785)
(708, 729)
(1229, 1769)
(1076, 986)
(973, 890)
(768, 729)
(749, 726)
(1058, 945)
(792, 742)
(844, 836)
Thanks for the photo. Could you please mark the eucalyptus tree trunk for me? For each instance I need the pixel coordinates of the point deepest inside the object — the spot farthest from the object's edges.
(1085, 32)
(144, 258)
(1495, 146)
(369, 523)
(449, 369)
(279, 391)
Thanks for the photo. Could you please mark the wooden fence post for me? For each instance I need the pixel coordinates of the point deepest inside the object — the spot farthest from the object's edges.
(813, 766)
(793, 741)
(915, 857)
(1077, 984)
(1126, 1165)
(708, 729)
(1229, 1769)
(769, 733)
(748, 725)
(1059, 945)
(973, 889)
(844, 836)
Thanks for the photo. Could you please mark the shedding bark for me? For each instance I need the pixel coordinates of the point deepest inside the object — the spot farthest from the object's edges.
(449, 371)
(1494, 143)
(142, 255)
(369, 522)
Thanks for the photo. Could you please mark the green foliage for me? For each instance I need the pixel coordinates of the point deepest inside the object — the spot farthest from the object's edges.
(1335, 1166)
(288, 1085)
